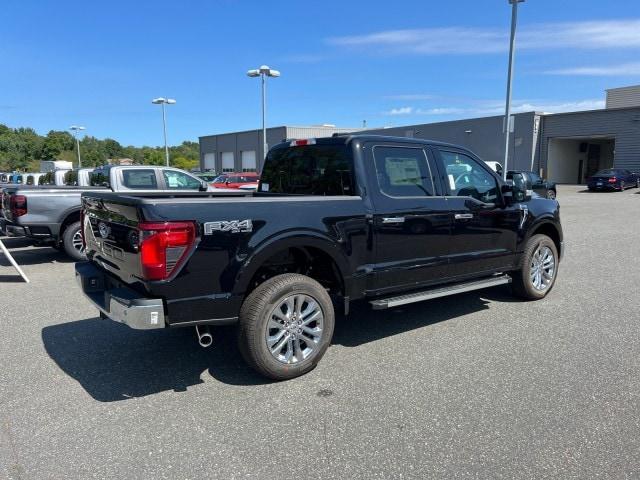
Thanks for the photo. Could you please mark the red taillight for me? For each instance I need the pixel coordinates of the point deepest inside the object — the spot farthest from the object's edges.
(18, 205)
(613, 180)
(164, 247)
(302, 143)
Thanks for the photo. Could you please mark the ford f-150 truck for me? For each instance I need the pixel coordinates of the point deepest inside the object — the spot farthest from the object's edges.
(51, 214)
(389, 220)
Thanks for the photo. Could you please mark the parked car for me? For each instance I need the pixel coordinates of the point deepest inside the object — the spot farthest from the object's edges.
(539, 185)
(52, 214)
(53, 178)
(235, 180)
(208, 177)
(78, 177)
(613, 179)
(326, 227)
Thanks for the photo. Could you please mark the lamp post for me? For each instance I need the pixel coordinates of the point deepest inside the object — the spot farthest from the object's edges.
(164, 101)
(507, 113)
(262, 72)
(75, 129)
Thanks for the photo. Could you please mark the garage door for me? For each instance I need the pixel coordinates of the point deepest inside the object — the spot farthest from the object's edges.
(210, 161)
(249, 161)
(227, 162)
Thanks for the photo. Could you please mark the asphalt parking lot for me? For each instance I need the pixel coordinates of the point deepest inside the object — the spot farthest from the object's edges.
(478, 385)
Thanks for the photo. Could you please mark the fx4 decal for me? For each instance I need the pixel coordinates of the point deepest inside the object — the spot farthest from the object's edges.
(233, 226)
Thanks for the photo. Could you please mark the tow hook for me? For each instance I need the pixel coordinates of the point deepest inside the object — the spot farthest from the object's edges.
(205, 339)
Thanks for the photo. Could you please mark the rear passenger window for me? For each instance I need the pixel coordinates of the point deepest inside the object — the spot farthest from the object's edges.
(403, 171)
(139, 179)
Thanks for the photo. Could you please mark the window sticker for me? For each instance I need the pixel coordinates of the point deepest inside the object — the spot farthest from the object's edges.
(452, 182)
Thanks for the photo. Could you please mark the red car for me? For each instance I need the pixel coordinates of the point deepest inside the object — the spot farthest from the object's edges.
(235, 180)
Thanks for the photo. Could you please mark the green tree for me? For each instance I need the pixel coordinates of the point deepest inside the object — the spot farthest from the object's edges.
(55, 143)
(112, 148)
(153, 157)
(184, 163)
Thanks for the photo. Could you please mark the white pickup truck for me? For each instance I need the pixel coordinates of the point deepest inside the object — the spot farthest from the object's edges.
(51, 214)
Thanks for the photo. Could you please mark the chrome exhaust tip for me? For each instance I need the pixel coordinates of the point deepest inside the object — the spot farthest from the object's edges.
(205, 339)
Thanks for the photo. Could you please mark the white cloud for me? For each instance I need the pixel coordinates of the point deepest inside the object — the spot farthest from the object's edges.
(468, 40)
(600, 71)
(480, 108)
(400, 111)
(440, 111)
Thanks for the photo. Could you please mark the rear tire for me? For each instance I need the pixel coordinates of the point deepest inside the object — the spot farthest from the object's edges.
(538, 269)
(286, 325)
(72, 242)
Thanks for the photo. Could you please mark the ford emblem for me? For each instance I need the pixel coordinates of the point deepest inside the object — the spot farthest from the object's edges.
(104, 230)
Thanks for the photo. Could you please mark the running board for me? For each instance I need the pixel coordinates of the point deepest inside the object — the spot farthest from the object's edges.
(437, 292)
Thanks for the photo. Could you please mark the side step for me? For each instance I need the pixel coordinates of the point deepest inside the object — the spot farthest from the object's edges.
(450, 289)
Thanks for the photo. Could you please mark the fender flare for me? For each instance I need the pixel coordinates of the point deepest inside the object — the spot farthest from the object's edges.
(541, 222)
(298, 238)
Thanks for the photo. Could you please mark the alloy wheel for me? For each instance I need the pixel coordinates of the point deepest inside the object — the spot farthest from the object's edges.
(76, 241)
(543, 268)
(294, 328)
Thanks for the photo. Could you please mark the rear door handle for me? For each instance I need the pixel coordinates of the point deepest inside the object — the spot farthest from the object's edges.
(392, 220)
(463, 216)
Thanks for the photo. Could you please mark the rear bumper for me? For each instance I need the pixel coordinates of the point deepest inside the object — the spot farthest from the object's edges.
(119, 303)
(10, 230)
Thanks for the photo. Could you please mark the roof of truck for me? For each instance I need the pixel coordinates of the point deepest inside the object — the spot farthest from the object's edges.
(343, 139)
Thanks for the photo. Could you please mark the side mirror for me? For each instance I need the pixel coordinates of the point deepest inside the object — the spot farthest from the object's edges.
(203, 187)
(521, 189)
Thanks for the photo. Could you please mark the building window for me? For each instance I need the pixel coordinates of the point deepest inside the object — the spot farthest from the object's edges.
(228, 163)
(209, 161)
(248, 161)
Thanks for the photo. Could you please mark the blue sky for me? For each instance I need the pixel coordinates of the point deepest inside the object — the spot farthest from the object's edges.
(99, 64)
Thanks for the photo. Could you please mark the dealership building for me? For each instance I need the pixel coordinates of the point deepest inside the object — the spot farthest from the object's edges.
(563, 147)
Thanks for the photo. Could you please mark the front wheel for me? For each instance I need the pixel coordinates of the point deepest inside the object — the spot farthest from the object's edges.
(538, 269)
(72, 242)
(286, 325)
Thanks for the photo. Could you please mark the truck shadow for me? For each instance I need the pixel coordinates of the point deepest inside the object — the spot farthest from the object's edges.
(364, 325)
(113, 362)
(35, 256)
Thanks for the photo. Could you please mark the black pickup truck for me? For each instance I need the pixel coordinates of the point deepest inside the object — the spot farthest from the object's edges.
(390, 220)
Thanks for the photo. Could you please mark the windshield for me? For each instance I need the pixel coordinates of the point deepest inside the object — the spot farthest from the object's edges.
(609, 171)
(309, 170)
(207, 177)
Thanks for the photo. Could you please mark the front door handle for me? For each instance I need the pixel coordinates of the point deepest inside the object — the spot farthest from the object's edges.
(392, 220)
(463, 216)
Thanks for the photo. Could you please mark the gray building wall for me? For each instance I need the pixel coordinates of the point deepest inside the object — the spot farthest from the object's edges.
(238, 142)
(621, 124)
(483, 136)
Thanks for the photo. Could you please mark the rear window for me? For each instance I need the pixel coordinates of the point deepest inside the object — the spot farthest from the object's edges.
(139, 179)
(309, 170)
(99, 178)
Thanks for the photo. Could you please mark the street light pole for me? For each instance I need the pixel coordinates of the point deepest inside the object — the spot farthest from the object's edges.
(75, 129)
(164, 101)
(507, 113)
(263, 72)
